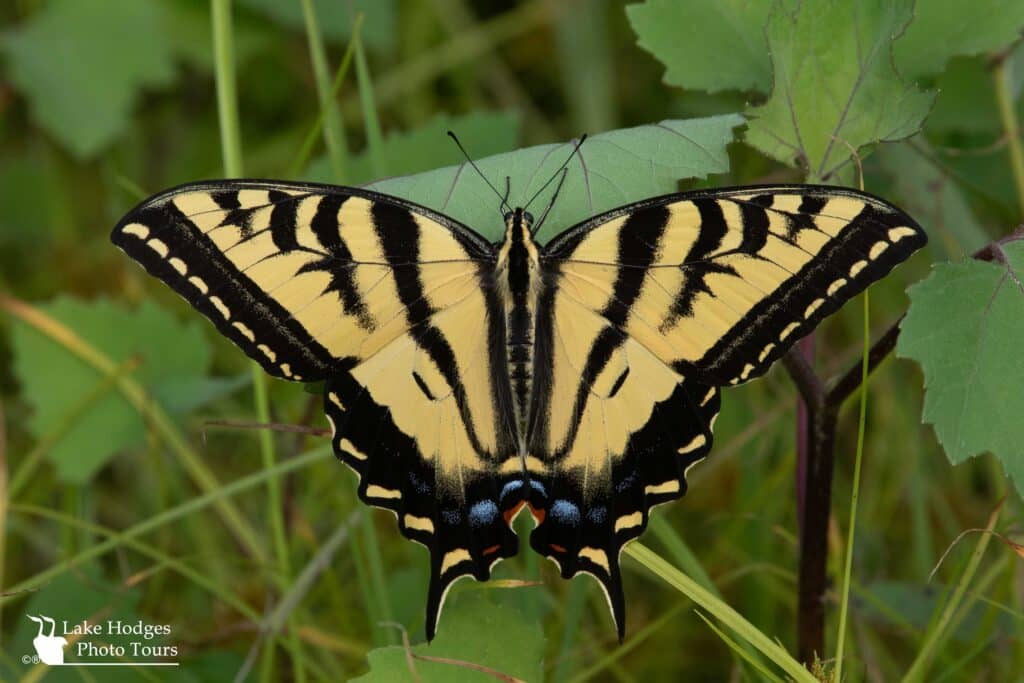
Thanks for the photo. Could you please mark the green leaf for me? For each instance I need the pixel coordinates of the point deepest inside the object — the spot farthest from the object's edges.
(429, 147)
(708, 45)
(54, 380)
(964, 328)
(933, 198)
(611, 169)
(474, 630)
(82, 66)
(946, 28)
(834, 83)
(335, 18)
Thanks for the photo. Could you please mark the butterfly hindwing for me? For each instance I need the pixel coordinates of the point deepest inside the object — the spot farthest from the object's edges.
(385, 301)
(646, 311)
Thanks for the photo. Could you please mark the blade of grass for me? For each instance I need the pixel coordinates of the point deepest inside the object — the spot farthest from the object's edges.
(231, 151)
(371, 122)
(1008, 114)
(207, 499)
(227, 97)
(844, 603)
(149, 409)
(684, 557)
(720, 610)
(306, 150)
(680, 552)
(740, 651)
(330, 117)
(938, 632)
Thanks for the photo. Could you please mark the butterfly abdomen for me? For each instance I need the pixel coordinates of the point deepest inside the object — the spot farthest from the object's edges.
(517, 278)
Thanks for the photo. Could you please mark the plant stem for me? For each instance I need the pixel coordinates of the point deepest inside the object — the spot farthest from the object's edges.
(1011, 127)
(844, 604)
(371, 122)
(306, 149)
(231, 151)
(227, 98)
(334, 133)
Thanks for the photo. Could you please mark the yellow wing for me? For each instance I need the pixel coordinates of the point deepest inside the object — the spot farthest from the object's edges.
(385, 301)
(646, 311)
(720, 283)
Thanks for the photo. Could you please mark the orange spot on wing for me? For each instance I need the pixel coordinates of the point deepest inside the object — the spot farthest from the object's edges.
(556, 547)
(491, 550)
(538, 514)
(511, 513)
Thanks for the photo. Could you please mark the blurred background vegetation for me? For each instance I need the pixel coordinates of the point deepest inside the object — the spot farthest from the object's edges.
(282, 576)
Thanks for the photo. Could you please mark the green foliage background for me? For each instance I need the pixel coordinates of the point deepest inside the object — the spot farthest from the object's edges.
(119, 499)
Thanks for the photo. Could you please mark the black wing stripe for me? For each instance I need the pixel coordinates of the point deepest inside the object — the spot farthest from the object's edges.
(282, 220)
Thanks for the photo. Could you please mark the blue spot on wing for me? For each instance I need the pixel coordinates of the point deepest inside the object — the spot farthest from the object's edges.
(483, 513)
(509, 488)
(418, 484)
(565, 512)
(598, 514)
(451, 517)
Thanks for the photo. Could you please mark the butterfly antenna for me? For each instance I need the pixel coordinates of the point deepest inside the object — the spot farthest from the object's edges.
(551, 204)
(504, 203)
(551, 179)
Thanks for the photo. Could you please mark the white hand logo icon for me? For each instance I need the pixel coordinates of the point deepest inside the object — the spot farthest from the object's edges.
(49, 648)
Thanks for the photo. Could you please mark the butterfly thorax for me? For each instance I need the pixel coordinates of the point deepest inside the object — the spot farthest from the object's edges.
(517, 276)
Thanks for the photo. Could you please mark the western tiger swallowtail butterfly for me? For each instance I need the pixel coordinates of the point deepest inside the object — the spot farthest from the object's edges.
(466, 380)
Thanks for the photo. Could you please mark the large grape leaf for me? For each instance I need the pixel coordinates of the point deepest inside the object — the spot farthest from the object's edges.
(82, 66)
(708, 45)
(965, 326)
(944, 28)
(174, 362)
(835, 87)
(473, 630)
(610, 169)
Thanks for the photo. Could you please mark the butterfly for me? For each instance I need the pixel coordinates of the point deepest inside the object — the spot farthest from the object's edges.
(467, 380)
